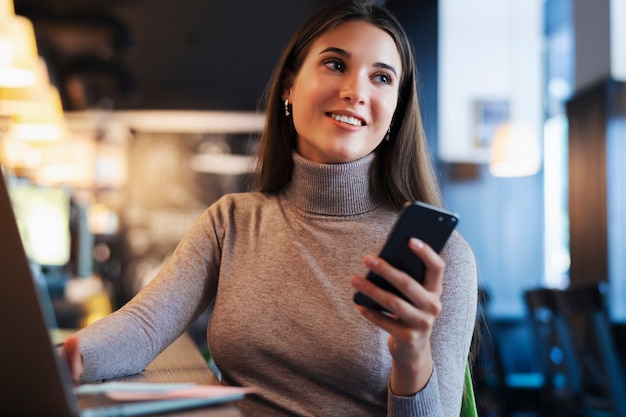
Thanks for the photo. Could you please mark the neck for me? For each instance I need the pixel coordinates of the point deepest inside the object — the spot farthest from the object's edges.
(332, 189)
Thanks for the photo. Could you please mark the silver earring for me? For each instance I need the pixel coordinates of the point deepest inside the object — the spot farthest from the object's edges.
(387, 134)
(287, 112)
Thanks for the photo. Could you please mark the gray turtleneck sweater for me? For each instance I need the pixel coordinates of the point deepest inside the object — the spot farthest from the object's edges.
(277, 268)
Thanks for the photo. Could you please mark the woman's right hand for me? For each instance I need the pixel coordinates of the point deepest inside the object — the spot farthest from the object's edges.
(70, 351)
(410, 320)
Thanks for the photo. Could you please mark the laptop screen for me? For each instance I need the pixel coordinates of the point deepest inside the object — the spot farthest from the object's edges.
(43, 217)
(34, 381)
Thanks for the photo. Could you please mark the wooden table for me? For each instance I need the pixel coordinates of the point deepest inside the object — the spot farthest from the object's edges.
(183, 362)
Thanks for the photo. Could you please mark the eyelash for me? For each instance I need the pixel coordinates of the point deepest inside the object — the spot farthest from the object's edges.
(333, 64)
(337, 65)
(388, 80)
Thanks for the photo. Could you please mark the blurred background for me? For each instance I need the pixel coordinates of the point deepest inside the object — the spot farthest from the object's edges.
(121, 121)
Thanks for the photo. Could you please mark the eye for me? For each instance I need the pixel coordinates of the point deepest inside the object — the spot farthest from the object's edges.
(383, 78)
(335, 65)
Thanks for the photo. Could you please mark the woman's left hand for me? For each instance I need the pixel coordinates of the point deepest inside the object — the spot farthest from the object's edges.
(409, 323)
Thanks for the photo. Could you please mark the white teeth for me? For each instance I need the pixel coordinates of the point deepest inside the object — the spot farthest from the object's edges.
(347, 119)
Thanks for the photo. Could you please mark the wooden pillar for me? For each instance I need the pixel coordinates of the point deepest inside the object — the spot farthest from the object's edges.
(587, 118)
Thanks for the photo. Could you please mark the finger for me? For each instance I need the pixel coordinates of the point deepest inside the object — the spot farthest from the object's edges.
(399, 327)
(381, 295)
(417, 295)
(399, 312)
(433, 262)
(382, 320)
(73, 357)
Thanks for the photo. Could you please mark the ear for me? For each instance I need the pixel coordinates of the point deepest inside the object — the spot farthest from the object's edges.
(287, 84)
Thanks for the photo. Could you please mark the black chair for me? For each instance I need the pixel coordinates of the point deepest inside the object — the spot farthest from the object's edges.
(501, 391)
(553, 352)
(599, 386)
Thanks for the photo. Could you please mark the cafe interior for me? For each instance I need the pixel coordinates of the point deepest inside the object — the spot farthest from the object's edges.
(121, 121)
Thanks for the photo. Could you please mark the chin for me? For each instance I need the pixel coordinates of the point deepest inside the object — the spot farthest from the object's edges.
(352, 154)
(342, 159)
(336, 154)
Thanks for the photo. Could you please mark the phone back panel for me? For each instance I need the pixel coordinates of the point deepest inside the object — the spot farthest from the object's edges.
(428, 223)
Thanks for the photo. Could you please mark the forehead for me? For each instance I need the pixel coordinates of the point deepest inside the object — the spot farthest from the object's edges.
(362, 40)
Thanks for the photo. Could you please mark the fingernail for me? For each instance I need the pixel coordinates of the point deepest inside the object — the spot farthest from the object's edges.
(371, 261)
(357, 283)
(416, 243)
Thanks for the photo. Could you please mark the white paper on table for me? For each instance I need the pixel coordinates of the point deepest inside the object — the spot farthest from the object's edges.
(132, 391)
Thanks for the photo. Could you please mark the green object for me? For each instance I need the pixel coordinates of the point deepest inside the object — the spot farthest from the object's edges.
(468, 406)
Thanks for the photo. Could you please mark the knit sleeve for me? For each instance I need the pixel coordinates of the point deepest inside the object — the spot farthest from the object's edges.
(425, 403)
(126, 341)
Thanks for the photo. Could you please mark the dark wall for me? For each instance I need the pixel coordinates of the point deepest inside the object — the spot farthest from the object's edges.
(208, 54)
(419, 20)
(184, 54)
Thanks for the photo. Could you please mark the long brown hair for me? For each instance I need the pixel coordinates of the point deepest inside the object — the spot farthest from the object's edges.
(402, 168)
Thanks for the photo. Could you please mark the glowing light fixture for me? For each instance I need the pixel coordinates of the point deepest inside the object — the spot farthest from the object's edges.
(36, 112)
(41, 120)
(7, 13)
(18, 48)
(514, 152)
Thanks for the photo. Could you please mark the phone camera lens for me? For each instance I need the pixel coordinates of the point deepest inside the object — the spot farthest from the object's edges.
(440, 218)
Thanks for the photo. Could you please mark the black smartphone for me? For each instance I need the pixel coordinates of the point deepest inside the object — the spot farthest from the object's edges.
(431, 224)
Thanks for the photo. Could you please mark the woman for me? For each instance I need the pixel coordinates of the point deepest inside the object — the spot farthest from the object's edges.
(343, 149)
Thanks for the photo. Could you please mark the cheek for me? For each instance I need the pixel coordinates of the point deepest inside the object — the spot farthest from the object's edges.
(385, 110)
(306, 88)
(299, 123)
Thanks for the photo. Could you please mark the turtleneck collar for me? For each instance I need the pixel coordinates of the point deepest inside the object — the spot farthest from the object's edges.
(332, 189)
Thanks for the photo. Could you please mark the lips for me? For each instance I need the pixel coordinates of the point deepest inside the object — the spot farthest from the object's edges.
(351, 120)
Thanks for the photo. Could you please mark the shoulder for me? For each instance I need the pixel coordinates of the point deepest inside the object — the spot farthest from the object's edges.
(239, 203)
(244, 198)
(239, 208)
(229, 212)
(460, 281)
(461, 268)
(458, 252)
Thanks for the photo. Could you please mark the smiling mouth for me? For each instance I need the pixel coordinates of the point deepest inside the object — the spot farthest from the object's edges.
(354, 121)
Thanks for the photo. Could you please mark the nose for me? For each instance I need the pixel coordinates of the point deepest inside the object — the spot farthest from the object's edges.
(354, 89)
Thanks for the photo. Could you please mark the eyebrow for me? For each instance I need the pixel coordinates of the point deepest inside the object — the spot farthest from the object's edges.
(347, 54)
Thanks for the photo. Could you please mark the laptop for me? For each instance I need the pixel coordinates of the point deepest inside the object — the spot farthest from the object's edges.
(34, 381)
